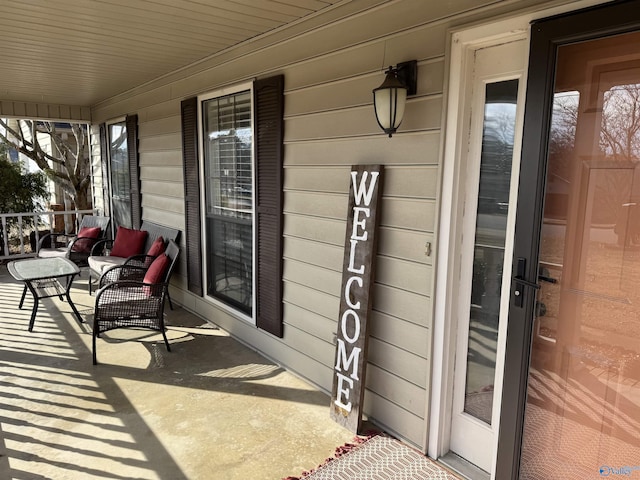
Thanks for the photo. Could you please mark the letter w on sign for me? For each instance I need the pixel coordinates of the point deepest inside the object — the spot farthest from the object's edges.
(360, 248)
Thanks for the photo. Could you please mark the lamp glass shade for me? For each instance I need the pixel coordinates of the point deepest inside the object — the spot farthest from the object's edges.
(389, 100)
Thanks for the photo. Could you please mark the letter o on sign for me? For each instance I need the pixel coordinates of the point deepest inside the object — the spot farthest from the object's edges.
(356, 326)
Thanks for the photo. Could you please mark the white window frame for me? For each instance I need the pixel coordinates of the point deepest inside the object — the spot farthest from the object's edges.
(222, 92)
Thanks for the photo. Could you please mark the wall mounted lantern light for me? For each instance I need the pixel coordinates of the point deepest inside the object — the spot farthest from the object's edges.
(389, 98)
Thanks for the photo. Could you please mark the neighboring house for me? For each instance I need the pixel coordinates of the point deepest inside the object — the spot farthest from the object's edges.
(503, 342)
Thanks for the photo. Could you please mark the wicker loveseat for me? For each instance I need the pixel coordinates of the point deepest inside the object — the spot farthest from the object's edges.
(101, 258)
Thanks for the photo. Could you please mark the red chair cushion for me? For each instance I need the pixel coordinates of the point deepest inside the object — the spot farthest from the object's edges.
(128, 242)
(157, 247)
(86, 237)
(156, 271)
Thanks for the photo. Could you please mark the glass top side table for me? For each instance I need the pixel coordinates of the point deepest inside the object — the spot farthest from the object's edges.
(45, 278)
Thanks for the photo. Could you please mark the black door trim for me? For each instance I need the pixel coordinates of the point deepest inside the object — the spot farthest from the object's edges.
(546, 36)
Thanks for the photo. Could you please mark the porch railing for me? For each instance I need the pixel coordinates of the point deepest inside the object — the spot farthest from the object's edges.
(19, 230)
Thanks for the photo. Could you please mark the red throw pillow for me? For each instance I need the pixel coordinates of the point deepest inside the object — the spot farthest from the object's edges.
(157, 247)
(128, 242)
(86, 239)
(155, 273)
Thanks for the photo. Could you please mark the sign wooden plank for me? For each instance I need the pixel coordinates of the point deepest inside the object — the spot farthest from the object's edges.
(355, 302)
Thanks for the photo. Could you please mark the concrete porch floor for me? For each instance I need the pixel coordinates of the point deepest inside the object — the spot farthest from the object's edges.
(209, 409)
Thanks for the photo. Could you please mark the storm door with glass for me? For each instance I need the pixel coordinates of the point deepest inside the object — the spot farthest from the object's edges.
(578, 248)
(583, 406)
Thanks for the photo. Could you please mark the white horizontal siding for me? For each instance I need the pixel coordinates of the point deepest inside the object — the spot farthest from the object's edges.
(394, 418)
(402, 149)
(312, 323)
(163, 203)
(313, 253)
(315, 229)
(162, 158)
(422, 113)
(405, 244)
(390, 386)
(170, 189)
(403, 304)
(322, 279)
(317, 204)
(400, 333)
(160, 172)
(312, 300)
(356, 91)
(412, 181)
(403, 274)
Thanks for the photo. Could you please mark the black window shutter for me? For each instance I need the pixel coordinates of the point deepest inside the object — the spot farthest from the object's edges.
(104, 161)
(134, 170)
(269, 135)
(189, 111)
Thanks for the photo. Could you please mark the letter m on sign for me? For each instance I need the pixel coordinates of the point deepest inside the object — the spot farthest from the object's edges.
(358, 275)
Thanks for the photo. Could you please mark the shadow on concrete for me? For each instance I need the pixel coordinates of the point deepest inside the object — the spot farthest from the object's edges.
(211, 408)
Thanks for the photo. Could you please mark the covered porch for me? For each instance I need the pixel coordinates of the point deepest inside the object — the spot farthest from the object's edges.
(212, 408)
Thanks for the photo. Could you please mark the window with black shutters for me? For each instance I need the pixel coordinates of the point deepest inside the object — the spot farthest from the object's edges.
(232, 150)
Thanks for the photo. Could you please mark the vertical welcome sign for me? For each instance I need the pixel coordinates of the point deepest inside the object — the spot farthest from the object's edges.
(355, 302)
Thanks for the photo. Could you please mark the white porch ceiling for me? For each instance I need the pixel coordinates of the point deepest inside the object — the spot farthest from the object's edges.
(80, 52)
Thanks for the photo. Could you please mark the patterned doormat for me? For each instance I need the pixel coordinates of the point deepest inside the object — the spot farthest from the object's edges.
(378, 458)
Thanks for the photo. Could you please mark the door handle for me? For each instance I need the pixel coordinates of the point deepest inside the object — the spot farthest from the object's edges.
(547, 279)
(520, 283)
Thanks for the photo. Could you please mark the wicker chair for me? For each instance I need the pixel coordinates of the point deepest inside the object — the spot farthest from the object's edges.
(128, 302)
(75, 248)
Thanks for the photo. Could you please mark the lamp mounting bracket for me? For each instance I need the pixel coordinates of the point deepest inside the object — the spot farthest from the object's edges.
(407, 73)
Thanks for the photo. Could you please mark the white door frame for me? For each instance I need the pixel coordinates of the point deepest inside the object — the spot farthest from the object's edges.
(475, 439)
(463, 42)
(450, 261)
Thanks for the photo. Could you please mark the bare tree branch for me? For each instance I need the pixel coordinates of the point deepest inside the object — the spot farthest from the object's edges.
(67, 164)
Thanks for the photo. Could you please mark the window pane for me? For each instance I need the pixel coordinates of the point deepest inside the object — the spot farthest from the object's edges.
(228, 147)
(491, 224)
(119, 170)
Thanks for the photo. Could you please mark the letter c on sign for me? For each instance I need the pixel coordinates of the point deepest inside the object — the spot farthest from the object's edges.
(347, 288)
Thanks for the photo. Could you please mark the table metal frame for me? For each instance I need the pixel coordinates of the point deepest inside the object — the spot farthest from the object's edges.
(45, 281)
